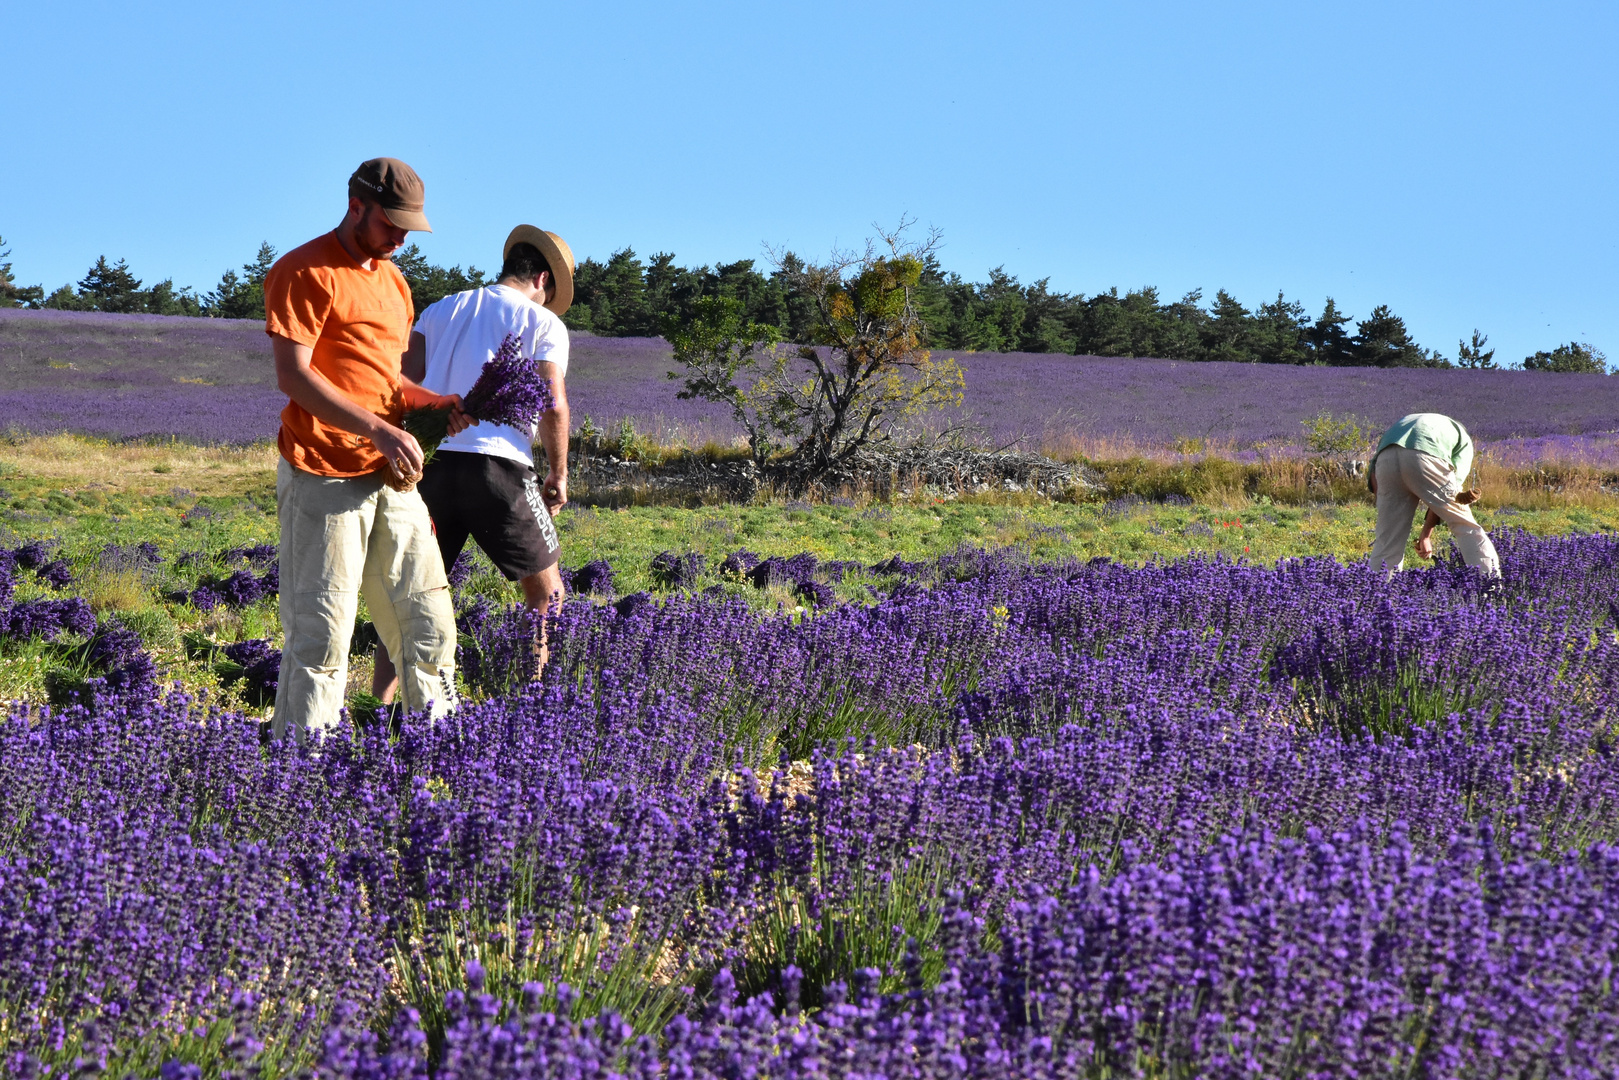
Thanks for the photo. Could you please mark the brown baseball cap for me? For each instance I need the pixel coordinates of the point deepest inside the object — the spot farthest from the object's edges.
(394, 186)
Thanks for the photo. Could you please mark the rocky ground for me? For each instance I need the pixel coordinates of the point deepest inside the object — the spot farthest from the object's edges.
(881, 472)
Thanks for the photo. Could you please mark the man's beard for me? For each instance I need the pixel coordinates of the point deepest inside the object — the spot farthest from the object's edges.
(362, 237)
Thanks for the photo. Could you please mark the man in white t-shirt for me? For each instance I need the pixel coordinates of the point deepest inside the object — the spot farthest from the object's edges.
(481, 483)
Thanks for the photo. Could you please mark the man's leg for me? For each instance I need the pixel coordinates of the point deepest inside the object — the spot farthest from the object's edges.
(1434, 482)
(439, 486)
(509, 521)
(325, 524)
(409, 599)
(452, 537)
(1396, 507)
(384, 678)
(543, 593)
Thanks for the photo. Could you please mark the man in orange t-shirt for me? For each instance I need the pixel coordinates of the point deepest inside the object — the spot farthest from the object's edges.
(338, 313)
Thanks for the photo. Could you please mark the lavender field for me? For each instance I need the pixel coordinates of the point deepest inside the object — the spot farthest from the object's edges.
(980, 815)
(1006, 820)
(132, 376)
(211, 380)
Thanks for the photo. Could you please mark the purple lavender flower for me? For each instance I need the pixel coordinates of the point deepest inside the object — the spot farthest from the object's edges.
(48, 618)
(474, 616)
(1222, 818)
(815, 593)
(791, 572)
(113, 645)
(238, 589)
(509, 390)
(837, 569)
(460, 572)
(252, 651)
(130, 391)
(677, 571)
(897, 565)
(260, 555)
(127, 670)
(633, 604)
(8, 576)
(739, 562)
(594, 577)
(143, 553)
(57, 573)
(32, 555)
(141, 560)
(260, 664)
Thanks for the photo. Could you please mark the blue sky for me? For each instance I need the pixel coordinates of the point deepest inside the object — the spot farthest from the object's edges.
(1453, 160)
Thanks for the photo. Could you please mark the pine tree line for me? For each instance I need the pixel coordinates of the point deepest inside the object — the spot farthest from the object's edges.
(112, 286)
(625, 296)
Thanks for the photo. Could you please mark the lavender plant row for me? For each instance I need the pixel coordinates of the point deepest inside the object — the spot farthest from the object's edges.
(1007, 820)
(135, 375)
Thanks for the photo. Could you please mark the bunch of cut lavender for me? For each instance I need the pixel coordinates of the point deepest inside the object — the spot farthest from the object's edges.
(258, 664)
(509, 391)
(48, 618)
(677, 571)
(238, 590)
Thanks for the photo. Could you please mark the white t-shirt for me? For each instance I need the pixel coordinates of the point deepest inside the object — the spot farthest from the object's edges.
(463, 333)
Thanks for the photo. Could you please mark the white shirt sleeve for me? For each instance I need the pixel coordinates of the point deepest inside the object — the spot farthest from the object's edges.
(429, 319)
(547, 340)
(558, 353)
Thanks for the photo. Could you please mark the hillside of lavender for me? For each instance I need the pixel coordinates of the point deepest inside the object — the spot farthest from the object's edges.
(211, 380)
(1005, 819)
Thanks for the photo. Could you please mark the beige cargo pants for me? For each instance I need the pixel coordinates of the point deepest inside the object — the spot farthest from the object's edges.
(340, 537)
(1407, 479)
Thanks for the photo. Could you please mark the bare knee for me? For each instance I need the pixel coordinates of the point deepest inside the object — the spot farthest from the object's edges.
(544, 589)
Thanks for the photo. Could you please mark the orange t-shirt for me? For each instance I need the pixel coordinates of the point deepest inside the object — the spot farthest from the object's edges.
(357, 322)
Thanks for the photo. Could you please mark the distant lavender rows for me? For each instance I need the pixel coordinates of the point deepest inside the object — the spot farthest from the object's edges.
(123, 376)
(135, 375)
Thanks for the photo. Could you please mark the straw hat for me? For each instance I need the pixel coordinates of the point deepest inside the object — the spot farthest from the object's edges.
(556, 252)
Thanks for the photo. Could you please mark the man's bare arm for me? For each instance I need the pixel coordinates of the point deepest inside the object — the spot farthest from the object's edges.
(1425, 540)
(309, 388)
(414, 365)
(413, 369)
(554, 437)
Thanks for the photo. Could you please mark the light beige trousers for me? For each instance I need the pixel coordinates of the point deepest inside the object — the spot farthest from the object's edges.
(1407, 479)
(341, 537)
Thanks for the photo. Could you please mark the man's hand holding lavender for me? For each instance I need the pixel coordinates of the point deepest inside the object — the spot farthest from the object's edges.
(509, 390)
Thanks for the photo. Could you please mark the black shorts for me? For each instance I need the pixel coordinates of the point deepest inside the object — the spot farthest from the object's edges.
(497, 502)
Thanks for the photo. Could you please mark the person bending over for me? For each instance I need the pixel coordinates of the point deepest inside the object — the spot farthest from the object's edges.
(481, 483)
(338, 314)
(1424, 459)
